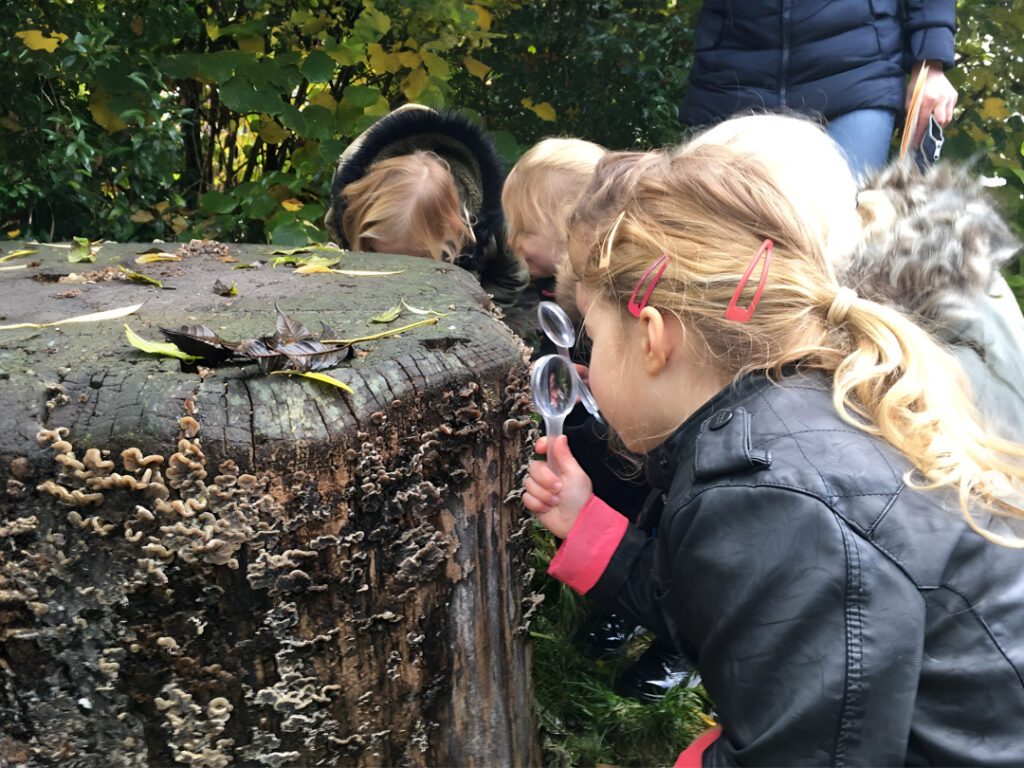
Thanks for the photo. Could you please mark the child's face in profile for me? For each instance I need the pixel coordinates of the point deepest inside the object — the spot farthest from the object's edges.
(542, 253)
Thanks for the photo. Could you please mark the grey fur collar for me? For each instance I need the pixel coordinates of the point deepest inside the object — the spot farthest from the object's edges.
(939, 254)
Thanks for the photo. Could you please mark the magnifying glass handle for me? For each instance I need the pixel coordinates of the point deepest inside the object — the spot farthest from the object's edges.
(552, 430)
(563, 351)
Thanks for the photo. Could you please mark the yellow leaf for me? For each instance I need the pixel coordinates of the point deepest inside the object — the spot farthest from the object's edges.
(382, 334)
(250, 44)
(311, 269)
(342, 55)
(166, 348)
(379, 108)
(178, 224)
(12, 233)
(160, 207)
(106, 119)
(707, 719)
(109, 314)
(212, 30)
(37, 41)
(325, 100)
(414, 84)
(294, 204)
(544, 110)
(322, 377)
(409, 59)
(437, 66)
(16, 254)
(137, 25)
(142, 217)
(994, 108)
(315, 25)
(271, 131)
(149, 258)
(483, 17)
(380, 60)
(10, 122)
(476, 68)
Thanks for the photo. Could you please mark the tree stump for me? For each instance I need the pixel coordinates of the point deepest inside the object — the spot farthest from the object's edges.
(217, 567)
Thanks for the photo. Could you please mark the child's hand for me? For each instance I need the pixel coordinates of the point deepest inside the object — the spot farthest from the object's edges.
(584, 372)
(556, 499)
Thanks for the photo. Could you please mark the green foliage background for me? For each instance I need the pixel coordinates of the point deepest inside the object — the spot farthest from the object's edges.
(223, 119)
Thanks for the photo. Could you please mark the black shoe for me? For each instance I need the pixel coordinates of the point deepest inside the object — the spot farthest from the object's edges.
(658, 670)
(606, 636)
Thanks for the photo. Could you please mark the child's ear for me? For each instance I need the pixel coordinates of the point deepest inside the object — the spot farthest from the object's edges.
(655, 340)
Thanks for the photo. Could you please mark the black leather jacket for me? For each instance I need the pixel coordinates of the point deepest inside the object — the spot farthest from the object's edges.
(835, 615)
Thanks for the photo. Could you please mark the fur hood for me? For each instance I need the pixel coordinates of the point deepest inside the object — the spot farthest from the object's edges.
(470, 152)
(933, 244)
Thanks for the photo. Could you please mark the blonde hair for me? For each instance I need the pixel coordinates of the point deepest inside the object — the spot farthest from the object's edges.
(544, 185)
(710, 208)
(806, 165)
(411, 198)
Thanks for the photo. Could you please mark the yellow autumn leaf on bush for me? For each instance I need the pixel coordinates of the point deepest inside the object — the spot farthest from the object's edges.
(483, 17)
(994, 108)
(414, 84)
(271, 131)
(476, 68)
(142, 217)
(294, 204)
(325, 100)
(408, 59)
(437, 66)
(250, 44)
(10, 122)
(37, 41)
(379, 108)
(380, 60)
(101, 113)
(544, 110)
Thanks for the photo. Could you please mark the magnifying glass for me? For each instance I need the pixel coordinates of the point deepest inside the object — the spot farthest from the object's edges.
(558, 327)
(554, 384)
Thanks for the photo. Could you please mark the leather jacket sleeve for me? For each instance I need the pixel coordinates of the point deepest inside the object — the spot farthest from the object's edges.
(808, 641)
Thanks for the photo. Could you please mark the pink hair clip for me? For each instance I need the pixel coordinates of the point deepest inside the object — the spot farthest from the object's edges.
(659, 265)
(743, 314)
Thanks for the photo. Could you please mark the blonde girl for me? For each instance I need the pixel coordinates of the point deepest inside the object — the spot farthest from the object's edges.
(422, 182)
(539, 194)
(832, 553)
(407, 204)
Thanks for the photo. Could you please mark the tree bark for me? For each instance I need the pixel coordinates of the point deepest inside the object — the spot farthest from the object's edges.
(216, 567)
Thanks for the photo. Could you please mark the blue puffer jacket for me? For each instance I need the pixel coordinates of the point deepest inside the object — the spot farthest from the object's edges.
(814, 56)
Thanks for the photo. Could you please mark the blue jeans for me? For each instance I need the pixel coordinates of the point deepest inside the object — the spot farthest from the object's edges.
(864, 136)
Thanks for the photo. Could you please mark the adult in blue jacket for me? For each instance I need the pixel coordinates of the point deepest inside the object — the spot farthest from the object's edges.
(844, 60)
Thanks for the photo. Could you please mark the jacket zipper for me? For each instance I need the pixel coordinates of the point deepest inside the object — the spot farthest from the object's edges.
(784, 64)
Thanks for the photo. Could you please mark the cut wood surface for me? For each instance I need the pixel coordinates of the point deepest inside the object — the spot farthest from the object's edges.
(211, 566)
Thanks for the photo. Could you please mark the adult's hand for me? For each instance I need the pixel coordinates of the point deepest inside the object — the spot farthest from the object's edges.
(556, 498)
(938, 97)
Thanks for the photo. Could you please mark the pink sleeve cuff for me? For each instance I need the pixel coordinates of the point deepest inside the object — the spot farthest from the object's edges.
(589, 547)
(693, 755)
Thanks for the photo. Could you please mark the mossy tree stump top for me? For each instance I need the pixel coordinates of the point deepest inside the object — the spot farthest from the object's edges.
(213, 566)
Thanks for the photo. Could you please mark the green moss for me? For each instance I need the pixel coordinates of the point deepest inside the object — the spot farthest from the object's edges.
(582, 720)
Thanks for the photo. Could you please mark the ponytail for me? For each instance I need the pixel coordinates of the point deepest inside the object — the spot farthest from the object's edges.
(899, 384)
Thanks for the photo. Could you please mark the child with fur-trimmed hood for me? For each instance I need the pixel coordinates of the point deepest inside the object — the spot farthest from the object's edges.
(426, 183)
(933, 246)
